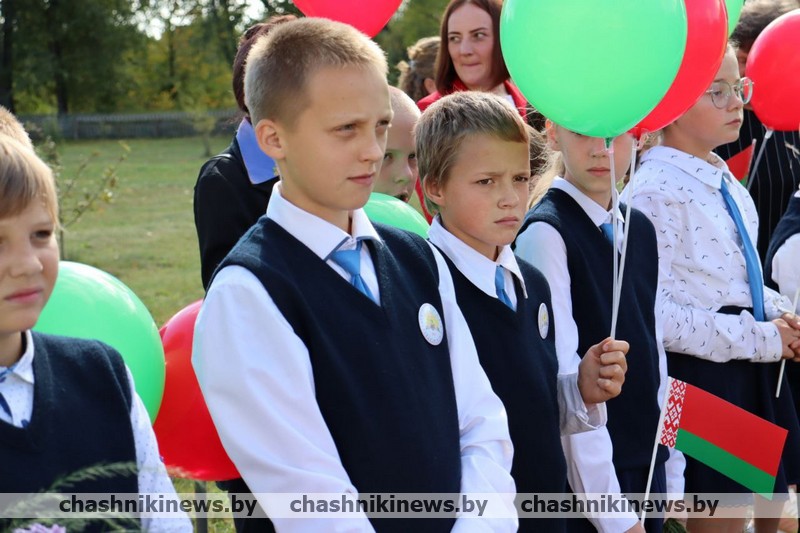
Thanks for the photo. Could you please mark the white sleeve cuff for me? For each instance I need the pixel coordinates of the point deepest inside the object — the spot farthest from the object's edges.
(573, 414)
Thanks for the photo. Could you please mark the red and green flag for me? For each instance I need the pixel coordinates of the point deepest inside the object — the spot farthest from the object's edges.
(739, 164)
(724, 437)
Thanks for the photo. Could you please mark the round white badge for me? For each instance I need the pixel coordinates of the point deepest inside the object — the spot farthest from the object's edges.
(544, 321)
(430, 324)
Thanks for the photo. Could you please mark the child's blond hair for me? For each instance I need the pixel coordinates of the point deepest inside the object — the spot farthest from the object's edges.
(24, 178)
(12, 127)
(280, 63)
(443, 127)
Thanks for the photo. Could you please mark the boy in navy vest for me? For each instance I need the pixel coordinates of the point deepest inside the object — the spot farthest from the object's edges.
(473, 156)
(331, 353)
(66, 405)
(566, 237)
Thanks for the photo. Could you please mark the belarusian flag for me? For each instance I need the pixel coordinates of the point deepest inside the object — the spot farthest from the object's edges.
(739, 164)
(724, 437)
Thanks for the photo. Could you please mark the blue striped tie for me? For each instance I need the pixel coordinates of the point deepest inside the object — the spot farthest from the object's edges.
(3, 403)
(754, 275)
(350, 261)
(500, 287)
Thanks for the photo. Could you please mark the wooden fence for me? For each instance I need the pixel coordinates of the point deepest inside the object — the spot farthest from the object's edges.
(142, 125)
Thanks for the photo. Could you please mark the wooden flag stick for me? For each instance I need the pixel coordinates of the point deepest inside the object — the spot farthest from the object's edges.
(655, 446)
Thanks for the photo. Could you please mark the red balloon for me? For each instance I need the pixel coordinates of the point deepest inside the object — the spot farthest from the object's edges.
(187, 438)
(370, 17)
(774, 66)
(706, 40)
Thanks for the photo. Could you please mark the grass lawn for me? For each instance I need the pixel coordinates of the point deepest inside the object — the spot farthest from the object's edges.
(146, 236)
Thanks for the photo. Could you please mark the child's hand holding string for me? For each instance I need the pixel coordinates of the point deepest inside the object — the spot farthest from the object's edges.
(601, 372)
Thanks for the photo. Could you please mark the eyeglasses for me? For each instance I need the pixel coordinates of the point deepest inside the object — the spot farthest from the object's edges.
(721, 92)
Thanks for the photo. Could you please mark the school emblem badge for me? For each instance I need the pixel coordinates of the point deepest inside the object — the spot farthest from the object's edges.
(430, 324)
(544, 321)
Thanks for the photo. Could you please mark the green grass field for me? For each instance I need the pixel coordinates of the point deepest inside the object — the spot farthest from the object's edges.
(146, 236)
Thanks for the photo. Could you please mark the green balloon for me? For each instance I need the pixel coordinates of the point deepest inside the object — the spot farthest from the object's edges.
(734, 8)
(596, 67)
(393, 212)
(90, 304)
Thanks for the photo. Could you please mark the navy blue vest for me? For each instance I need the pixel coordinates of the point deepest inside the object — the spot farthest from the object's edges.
(787, 227)
(385, 393)
(633, 415)
(81, 419)
(523, 370)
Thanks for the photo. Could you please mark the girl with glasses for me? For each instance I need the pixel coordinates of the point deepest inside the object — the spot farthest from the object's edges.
(723, 330)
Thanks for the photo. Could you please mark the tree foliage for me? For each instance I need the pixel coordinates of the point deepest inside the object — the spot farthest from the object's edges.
(414, 20)
(73, 56)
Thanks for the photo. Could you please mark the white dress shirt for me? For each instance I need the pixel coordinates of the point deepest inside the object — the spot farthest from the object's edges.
(256, 377)
(590, 467)
(18, 388)
(574, 416)
(701, 264)
(786, 266)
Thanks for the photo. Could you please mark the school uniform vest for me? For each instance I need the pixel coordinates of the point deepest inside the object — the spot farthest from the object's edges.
(386, 393)
(787, 227)
(523, 370)
(633, 415)
(81, 419)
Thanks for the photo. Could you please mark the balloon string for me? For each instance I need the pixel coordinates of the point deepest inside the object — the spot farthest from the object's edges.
(751, 177)
(627, 226)
(614, 206)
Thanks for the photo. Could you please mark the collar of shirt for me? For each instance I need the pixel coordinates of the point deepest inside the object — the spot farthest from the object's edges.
(260, 166)
(797, 194)
(595, 211)
(708, 172)
(477, 268)
(320, 236)
(24, 367)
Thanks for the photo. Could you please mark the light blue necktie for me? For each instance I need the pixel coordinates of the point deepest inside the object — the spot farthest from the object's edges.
(3, 403)
(608, 231)
(750, 257)
(500, 287)
(350, 261)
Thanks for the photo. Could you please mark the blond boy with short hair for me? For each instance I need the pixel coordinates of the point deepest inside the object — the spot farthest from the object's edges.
(331, 353)
(66, 405)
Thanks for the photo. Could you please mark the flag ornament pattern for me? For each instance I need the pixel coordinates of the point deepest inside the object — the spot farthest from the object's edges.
(722, 436)
(674, 407)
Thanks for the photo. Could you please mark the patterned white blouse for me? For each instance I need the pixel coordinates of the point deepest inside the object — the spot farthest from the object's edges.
(701, 264)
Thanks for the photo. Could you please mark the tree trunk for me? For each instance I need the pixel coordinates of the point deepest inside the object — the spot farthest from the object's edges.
(59, 74)
(8, 14)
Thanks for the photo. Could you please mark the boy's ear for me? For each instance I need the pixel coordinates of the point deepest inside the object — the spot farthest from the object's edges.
(552, 140)
(434, 191)
(269, 137)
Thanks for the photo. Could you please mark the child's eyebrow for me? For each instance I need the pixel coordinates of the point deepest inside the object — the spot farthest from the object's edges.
(356, 119)
(491, 173)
